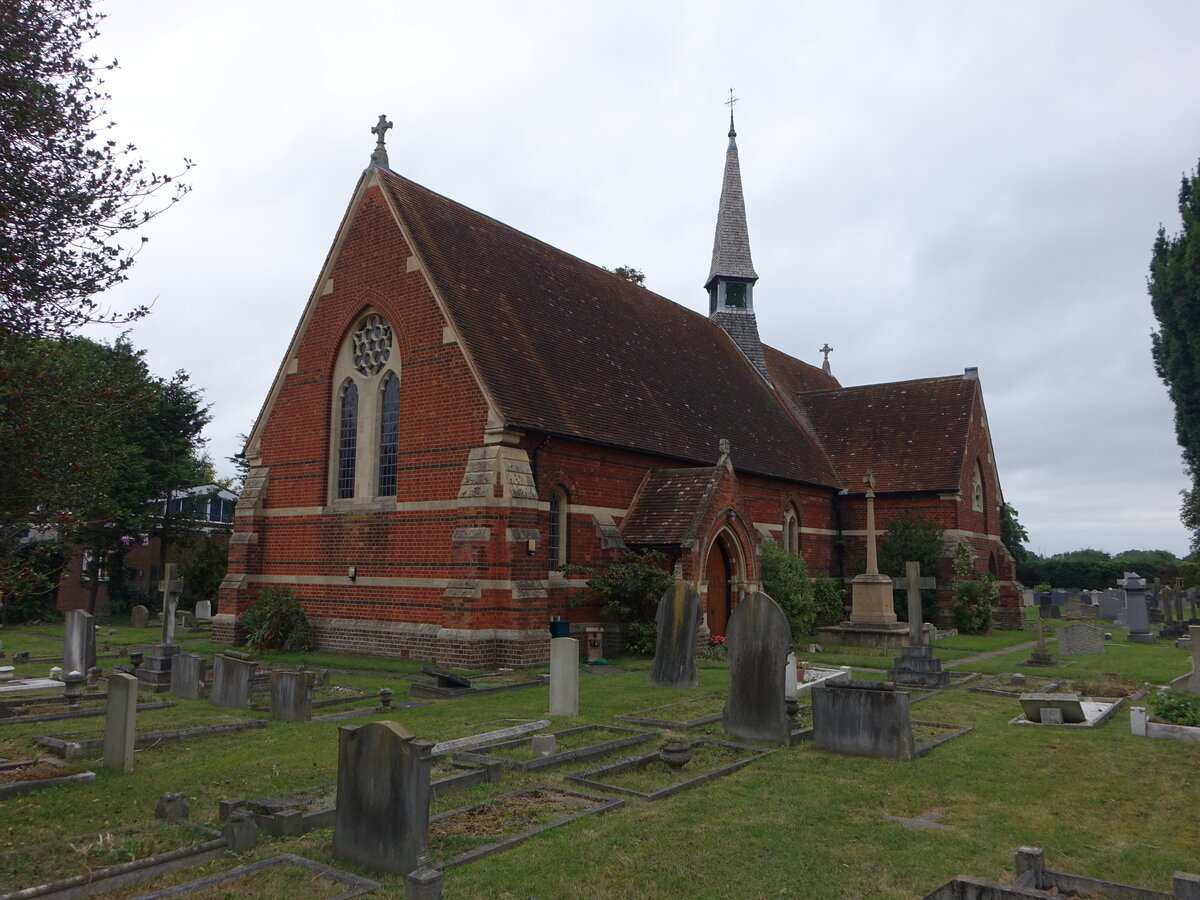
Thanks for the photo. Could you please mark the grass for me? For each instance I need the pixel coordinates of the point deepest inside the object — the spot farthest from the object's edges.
(797, 823)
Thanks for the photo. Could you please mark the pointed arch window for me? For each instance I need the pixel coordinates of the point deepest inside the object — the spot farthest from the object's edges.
(389, 434)
(977, 488)
(347, 441)
(791, 530)
(558, 529)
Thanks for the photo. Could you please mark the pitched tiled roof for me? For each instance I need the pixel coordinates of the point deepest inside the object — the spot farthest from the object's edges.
(794, 376)
(567, 348)
(668, 505)
(911, 433)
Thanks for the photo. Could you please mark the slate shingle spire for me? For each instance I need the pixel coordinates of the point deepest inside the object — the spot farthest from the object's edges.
(731, 279)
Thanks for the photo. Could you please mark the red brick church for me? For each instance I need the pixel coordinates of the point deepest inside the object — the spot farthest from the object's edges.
(464, 409)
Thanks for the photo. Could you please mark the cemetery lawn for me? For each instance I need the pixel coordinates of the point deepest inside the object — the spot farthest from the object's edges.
(796, 823)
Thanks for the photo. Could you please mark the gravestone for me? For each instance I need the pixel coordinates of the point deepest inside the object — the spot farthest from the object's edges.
(382, 815)
(1068, 704)
(1080, 640)
(448, 680)
(292, 695)
(120, 722)
(231, 682)
(187, 676)
(678, 618)
(916, 663)
(1040, 657)
(564, 676)
(789, 677)
(1058, 598)
(139, 617)
(155, 673)
(1071, 608)
(1110, 605)
(204, 610)
(758, 640)
(863, 718)
(79, 652)
(1192, 685)
(1136, 616)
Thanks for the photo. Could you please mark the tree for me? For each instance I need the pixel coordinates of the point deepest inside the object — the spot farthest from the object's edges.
(630, 274)
(628, 590)
(1012, 533)
(911, 537)
(1174, 286)
(71, 198)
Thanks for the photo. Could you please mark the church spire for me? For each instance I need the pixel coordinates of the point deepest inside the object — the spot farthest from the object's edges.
(731, 278)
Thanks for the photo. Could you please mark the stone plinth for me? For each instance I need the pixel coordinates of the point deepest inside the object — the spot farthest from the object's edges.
(155, 674)
(918, 665)
(871, 599)
(847, 634)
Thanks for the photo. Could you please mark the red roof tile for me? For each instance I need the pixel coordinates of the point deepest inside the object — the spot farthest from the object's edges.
(668, 505)
(911, 433)
(568, 348)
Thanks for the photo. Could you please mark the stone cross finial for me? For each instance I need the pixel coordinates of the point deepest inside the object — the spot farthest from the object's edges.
(380, 128)
(723, 446)
(826, 350)
(730, 102)
(869, 481)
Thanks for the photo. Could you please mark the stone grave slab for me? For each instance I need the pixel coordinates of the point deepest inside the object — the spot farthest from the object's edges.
(678, 618)
(676, 775)
(188, 674)
(682, 715)
(1076, 711)
(1080, 640)
(382, 816)
(292, 695)
(244, 877)
(68, 748)
(518, 753)
(231, 682)
(758, 640)
(444, 685)
(575, 804)
(863, 718)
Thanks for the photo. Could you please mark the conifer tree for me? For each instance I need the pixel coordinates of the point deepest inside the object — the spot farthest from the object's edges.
(1175, 297)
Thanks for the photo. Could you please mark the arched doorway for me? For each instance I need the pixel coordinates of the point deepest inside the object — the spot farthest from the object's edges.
(719, 575)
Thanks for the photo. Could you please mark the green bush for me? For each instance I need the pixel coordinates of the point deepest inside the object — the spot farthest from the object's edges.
(277, 622)
(785, 579)
(1176, 708)
(828, 600)
(974, 595)
(628, 591)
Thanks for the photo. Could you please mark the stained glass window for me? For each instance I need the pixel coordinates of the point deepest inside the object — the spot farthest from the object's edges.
(389, 434)
(347, 442)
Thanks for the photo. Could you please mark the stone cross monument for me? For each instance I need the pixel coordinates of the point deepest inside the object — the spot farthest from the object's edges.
(871, 593)
(156, 673)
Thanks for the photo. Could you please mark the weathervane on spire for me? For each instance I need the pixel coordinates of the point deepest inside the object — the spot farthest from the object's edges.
(379, 156)
(730, 102)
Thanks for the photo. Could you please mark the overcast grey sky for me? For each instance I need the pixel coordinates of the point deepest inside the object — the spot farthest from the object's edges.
(929, 186)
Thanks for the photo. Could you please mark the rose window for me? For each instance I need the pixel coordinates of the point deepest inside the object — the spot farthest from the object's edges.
(372, 345)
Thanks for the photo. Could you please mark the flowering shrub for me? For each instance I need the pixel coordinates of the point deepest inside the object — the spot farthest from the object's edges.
(716, 640)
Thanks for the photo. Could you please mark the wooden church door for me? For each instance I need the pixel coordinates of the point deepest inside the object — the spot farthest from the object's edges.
(718, 588)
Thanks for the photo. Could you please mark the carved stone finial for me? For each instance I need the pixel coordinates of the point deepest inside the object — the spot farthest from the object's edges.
(869, 481)
(379, 156)
(723, 446)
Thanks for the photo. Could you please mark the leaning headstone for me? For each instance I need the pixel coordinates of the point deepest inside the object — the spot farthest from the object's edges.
(1136, 616)
(139, 617)
(1069, 705)
(187, 676)
(79, 653)
(758, 640)
(231, 682)
(678, 618)
(204, 610)
(292, 695)
(120, 722)
(564, 676)
(1080, 640)
(382, 817)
